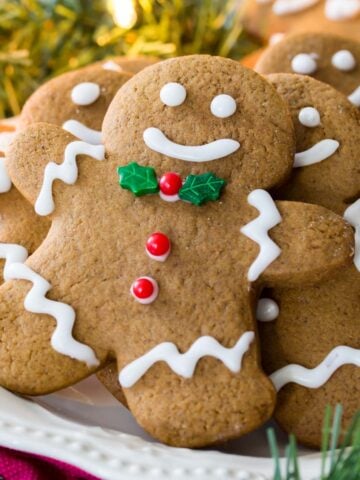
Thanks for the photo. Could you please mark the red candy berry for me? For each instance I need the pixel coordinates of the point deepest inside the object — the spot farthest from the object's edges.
(158, 246)
(170, 183)
(144, 290)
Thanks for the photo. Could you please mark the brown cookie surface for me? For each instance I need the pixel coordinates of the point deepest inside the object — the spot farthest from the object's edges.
(325, 57)
(316, 325)
(185, 345)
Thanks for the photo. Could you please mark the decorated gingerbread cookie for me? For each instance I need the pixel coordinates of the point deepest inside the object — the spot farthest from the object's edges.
(311, 347)
(270, 18)
(160, 243)
(77, 101)
(326, 57)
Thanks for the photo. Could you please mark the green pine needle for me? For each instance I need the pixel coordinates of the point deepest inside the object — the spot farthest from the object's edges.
(338, 461)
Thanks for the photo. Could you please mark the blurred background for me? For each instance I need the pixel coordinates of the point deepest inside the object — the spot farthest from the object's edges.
(43, 38)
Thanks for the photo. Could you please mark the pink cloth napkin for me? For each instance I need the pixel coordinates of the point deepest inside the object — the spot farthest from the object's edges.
(23, 466)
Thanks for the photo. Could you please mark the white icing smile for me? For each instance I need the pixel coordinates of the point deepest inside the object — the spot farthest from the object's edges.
(155, 139)
(317, 153)
(354, 97)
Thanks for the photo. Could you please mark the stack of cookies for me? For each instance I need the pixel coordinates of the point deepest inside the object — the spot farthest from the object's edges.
(189, 231)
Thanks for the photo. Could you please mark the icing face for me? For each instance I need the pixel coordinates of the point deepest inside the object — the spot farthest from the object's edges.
(173, 94)
(222, 106)
(343, 60)
(156, 140)
(310, 118)
(304, 63)
(85, 93)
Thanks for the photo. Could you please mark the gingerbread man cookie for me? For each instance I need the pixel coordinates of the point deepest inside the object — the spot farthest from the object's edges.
(271, 18)
(159, 245)
(331, 59)
(311, 347)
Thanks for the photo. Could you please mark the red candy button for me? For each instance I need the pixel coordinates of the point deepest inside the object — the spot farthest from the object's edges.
(158, 246)
(144, 290)
(170, 184)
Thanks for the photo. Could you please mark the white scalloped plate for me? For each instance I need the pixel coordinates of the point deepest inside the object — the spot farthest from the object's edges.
(86, 427)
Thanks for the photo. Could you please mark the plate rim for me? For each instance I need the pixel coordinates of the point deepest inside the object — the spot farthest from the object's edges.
(111, 455)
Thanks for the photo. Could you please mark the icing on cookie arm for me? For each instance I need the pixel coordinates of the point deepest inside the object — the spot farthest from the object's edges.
(36, 302)
(184, 364)
(66, 171)
(257, 230)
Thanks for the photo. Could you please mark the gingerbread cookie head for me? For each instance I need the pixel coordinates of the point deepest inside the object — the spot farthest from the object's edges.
(77, 101)
(167, 288)
(331, 59)
(189, 120)
(326, 126)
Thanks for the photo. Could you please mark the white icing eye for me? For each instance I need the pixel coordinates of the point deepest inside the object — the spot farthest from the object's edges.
(172, 94)
(343, 60)
(85, 93)
(304, 63)
(309, 117)
(223, 106)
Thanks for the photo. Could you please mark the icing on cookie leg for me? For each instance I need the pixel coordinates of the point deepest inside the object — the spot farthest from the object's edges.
(67, 172)
(184, 364)
(36, 302)
(318, 376)
(257, 230)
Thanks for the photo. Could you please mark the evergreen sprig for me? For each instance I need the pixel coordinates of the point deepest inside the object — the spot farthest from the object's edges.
(340, 459)
(43, 38)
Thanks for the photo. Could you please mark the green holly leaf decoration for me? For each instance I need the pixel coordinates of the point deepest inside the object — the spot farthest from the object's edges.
(199, 189)
(139, 180)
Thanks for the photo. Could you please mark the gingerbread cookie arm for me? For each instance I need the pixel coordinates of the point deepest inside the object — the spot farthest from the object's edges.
(42, 155)
(313, 241)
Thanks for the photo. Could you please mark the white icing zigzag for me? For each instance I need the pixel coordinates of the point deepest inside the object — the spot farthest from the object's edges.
(66, 171)
(257, 230)
(35, 301)
(352, 215)
(318, 376)
(184, 364)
